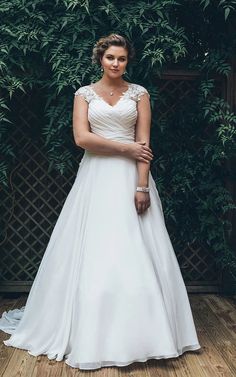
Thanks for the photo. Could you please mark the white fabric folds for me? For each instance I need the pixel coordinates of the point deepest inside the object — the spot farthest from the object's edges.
(109, 290)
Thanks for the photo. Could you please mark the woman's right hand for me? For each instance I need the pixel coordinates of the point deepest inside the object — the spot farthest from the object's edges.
(139, 151)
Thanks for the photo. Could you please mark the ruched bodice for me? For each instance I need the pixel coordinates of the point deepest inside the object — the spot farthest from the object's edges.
(115, 122)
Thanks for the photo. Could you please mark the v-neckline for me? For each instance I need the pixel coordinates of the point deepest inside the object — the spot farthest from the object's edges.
(102, 99)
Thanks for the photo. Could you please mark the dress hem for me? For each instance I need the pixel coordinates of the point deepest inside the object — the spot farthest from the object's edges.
(101, 364)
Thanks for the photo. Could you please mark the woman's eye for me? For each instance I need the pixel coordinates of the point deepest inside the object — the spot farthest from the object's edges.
(111, 58)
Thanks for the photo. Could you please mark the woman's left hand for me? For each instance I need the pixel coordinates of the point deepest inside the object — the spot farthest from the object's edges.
(142, 201)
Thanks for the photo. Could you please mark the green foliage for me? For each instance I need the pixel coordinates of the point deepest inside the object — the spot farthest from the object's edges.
(47, 44)
(195, 174)
(216, 61)
(227, 5)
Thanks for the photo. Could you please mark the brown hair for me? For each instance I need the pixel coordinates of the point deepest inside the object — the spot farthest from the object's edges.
(111, 40)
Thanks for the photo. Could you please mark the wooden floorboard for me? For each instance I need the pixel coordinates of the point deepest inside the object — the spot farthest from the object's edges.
(215, 319)
(7, 352)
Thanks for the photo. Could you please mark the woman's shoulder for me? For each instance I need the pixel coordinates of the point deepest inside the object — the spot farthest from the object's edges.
(82, 89)
(85, 92)
(138, 90)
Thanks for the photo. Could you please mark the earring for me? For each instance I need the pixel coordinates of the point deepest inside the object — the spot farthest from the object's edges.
(125, 72)
(102, 69)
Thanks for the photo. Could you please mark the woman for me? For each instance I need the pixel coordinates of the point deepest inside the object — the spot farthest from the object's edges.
(109, 290)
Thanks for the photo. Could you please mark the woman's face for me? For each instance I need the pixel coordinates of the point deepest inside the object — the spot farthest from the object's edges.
(114, 61)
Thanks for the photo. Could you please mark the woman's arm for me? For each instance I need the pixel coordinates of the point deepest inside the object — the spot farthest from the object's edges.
(142, 133)
(142, 199)
(94, 143)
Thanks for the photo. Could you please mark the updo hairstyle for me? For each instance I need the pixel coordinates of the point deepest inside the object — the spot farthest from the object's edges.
(111, 40)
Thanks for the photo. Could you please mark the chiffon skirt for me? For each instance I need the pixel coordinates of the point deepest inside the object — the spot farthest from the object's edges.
(109, 290)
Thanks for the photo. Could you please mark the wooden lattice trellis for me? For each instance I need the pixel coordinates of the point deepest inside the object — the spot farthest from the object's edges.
(31, 209)
(196, 260)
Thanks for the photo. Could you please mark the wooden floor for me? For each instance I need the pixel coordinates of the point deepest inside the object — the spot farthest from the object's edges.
(215, 319)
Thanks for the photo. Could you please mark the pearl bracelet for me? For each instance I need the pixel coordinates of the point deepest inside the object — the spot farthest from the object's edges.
(143, 189)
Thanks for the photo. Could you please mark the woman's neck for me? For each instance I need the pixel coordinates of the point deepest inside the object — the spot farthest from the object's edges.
(110, 82)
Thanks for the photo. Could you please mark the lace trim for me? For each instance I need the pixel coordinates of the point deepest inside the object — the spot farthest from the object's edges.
(85, 92)
(134, 92)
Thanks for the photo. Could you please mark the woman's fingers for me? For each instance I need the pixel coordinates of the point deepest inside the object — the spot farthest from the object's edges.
(145, 157)
(142, 159)
(147, 148)
(149, 152)
(142, 205)
(144, 153)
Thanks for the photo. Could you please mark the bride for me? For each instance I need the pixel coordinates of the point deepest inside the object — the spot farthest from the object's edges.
(109, 290)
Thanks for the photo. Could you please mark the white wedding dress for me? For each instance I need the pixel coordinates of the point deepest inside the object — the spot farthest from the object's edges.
(109, 290)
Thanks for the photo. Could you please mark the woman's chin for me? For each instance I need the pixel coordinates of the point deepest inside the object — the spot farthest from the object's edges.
(113, 75)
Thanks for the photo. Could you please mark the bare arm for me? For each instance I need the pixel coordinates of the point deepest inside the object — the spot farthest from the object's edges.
(142, 133)
(97, 144)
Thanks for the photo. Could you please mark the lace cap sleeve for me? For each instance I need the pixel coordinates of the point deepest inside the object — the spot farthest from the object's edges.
(141, 90)
(138, 91)
(85, 92)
